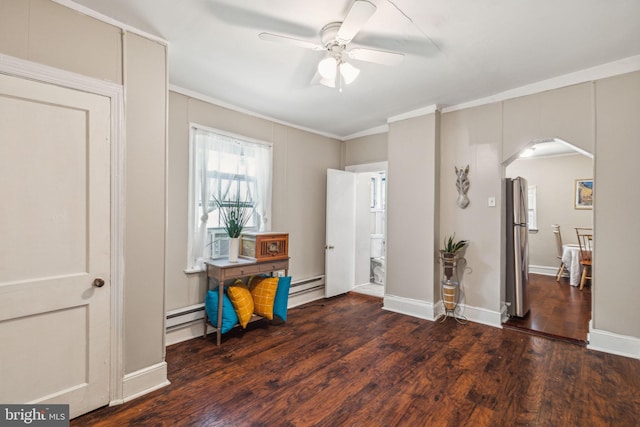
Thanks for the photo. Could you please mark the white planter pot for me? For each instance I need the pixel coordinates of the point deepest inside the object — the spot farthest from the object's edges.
(234, 249)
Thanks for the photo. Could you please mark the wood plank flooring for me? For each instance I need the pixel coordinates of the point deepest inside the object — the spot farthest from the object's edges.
(558, 310)
(346, 362)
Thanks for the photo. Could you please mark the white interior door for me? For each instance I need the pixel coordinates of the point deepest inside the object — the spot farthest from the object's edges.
(55, 242)
(340, 243)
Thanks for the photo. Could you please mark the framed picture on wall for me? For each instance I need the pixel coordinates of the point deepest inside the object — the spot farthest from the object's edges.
(584, 194)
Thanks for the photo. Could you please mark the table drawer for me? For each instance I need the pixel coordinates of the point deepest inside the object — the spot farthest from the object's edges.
(240, 271)
(273, 266)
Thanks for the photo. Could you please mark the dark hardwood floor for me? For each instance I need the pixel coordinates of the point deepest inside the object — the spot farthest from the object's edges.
(346, 362)
(558, 310)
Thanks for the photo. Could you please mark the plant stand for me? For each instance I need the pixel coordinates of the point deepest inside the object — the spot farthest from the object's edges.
(450, 287)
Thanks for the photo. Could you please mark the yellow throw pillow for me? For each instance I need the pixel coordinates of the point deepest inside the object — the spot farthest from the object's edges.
(242, 302)
(254, 280)
(263, 294)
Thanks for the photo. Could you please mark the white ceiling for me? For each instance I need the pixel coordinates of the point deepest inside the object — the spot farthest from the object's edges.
(456, 51)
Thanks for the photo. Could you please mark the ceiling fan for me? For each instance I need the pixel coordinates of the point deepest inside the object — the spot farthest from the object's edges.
(334, 69)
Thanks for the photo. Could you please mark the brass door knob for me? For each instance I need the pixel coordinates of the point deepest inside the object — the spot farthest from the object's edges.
(98, 282)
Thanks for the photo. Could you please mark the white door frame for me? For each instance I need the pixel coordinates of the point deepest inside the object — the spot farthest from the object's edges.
(30, 70)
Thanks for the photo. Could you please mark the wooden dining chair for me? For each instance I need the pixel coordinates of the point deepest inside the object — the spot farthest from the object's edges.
(558, 236)
(585, 241)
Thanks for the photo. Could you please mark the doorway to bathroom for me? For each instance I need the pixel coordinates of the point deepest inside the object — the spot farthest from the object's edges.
(371, 201)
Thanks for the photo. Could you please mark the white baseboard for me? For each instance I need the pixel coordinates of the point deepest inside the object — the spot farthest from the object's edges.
(145, 381)
(408, 306)
(429, 311)
(543, 270)
(481, 315)
(186, 332)
(303, 298)
(609, 342)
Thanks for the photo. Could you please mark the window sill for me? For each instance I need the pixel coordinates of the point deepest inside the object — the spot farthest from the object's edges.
(193, 270)
(533, 230)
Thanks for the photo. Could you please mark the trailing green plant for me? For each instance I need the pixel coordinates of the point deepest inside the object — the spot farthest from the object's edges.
(451, 246)
(235, 214)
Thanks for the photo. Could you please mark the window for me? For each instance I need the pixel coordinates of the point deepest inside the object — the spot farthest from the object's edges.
(533, 219)
(225, 167)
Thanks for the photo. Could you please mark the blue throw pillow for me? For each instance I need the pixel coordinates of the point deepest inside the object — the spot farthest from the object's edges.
(282, 298)
(229, 316)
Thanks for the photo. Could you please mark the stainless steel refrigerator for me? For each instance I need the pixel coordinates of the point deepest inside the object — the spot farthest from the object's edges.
(517, 247)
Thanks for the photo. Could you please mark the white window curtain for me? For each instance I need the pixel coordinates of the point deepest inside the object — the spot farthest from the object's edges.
(222, 164)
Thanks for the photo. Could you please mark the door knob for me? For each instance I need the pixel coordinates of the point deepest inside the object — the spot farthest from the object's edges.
(328, 246)
(98, 282)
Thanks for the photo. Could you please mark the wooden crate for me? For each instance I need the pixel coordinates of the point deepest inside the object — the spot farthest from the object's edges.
(265, 246)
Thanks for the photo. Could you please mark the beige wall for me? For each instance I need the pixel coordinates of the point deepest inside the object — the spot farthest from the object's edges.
(365, 149)
(600, 117)
(45, 32)
(554, 178)
(411, 207)
(614, 115)
(472, 137)
(145, 188)
(566, 113)
(300, 162)
(617, 229)
(48, 33)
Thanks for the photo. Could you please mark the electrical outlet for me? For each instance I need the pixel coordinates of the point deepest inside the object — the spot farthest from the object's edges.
(492, 202)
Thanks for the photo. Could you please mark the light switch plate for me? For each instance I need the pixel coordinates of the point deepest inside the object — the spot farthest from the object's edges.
(491, 202)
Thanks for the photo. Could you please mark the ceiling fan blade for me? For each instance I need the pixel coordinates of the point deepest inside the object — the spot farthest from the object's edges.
(359, 14)
(290, 41)
(376, 56)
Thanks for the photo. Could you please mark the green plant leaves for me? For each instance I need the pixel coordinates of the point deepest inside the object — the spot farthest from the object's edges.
(451, 246)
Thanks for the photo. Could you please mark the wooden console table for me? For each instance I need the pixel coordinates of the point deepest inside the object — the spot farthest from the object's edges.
(219, 270)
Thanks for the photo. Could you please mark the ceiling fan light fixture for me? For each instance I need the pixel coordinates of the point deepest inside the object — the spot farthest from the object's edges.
(349, 72)
(328, 82)
(327, 68)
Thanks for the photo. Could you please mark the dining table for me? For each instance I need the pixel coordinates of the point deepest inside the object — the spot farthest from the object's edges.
(571, 259)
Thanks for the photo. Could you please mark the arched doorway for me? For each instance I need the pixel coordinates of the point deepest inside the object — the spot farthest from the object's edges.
(557, 307)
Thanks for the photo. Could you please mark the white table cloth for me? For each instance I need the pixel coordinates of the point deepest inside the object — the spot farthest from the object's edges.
(571, 259)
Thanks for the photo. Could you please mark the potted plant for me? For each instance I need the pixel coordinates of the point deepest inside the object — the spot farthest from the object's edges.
(235, 214)
(449, 256)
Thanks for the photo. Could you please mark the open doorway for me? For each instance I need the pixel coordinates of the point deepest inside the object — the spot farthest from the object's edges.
(558, 308)
(370, 258)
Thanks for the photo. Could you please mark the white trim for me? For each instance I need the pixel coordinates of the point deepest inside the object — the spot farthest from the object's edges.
(145, 381)
(186, 332)
(242, 138)
(480, 315)
(609, 342)
(214, 101)
(38, 72)
(408, 306)
(368, 167)
(430, 311)
(108, 20)
(306, 297)
(429, 109)
(544, 270)
(622, 66)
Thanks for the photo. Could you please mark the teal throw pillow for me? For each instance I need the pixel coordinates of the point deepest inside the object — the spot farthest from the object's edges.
(282, 298)
(229, 316)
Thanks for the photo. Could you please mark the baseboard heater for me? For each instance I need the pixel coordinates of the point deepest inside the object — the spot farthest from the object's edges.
(185, 316)
(306, 285)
